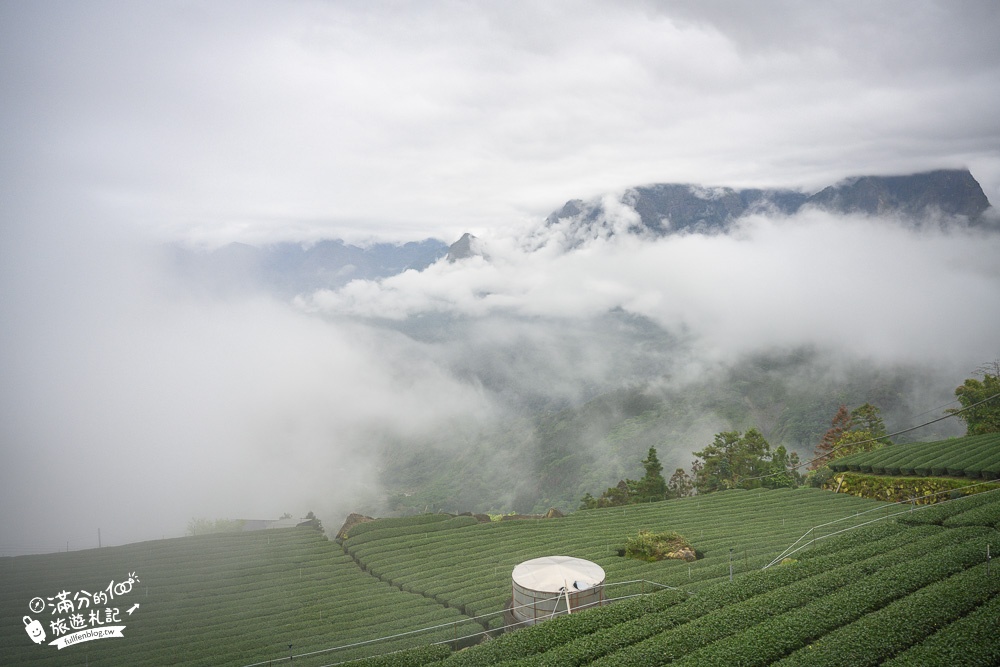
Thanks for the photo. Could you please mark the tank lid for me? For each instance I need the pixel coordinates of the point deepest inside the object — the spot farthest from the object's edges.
(552, 574)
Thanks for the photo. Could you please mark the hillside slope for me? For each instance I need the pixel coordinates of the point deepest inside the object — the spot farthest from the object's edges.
(223, 599)
(914, 579)
(917, 588)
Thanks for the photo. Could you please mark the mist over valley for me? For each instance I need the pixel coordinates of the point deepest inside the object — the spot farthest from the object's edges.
(517, 375)
(273, 258)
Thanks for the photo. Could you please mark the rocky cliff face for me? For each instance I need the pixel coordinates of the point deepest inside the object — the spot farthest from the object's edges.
(952, 192)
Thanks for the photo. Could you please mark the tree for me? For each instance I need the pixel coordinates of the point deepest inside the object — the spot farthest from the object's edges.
(840, 424)
(743, 461)
(652, 486)
(859, 430)
(983, 418)
(680, 485)
(312, 521)
(615, 496)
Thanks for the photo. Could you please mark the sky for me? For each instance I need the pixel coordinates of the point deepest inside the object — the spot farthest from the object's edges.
(132, 401)
(256, 121)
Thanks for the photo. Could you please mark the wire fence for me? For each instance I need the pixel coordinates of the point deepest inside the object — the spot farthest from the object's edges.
(629, 589)
(882, 513)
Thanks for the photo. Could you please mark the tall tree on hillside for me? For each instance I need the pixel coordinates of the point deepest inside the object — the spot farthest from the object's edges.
(652, 486)
(983, 418)
(841, 424)
(743, 461)
(680, 485)
(859, 430)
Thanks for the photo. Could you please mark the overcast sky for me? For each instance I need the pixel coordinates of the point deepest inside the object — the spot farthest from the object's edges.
(255, 120)
(131, 401)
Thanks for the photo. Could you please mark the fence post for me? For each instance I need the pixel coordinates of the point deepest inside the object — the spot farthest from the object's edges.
(730, 563)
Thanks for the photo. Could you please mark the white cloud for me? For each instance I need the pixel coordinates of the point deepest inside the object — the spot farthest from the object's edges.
(866, 287)
(300, 120)
(214, 122)
(131, 404)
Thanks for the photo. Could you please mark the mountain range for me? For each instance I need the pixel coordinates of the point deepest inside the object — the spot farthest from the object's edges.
(655, 210)
(671, 207)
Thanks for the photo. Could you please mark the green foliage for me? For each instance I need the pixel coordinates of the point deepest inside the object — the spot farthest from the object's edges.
(680, 485)
(892, 590)
(539, 639)
(414, 657)
(919, 490)
(819, 477)
(396, 522)
(890, 578)
(589, 447)
(975, 509)
(653, 547)
(984, 418)
(743, 461)
(402, 529)
(614, 496)
(882, 634)
(650, 488)
(969, 641)
(976, 457)
(224, 599)
(860, 430)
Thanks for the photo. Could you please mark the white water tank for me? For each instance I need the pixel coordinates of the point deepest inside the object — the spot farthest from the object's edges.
(544, 587)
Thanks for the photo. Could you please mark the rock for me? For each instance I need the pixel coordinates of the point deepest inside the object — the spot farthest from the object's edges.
(352, 521)
(686, 554)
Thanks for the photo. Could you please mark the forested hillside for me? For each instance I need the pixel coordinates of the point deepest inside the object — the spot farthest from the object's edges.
(553, 459)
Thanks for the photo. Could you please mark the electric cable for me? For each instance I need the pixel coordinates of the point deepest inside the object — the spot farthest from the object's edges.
(880, 438)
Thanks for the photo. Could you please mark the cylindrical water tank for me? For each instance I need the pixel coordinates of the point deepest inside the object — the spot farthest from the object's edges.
(544, 587)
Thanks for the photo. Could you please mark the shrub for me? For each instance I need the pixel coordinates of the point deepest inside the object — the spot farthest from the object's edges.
(653, 547)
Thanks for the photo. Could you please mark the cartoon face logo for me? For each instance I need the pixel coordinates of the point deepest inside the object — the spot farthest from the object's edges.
(34, 630)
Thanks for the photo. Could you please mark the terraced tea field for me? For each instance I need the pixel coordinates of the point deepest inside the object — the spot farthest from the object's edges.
(225, 599)
(916, 580)
(916, 589)
(467, 565)
(976, 457)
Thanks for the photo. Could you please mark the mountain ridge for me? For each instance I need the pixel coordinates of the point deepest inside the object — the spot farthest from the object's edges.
(655, 210)
(665, 208)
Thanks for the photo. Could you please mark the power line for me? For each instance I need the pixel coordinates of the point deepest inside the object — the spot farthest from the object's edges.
(912, 502)
(878, 439)
(472, 619)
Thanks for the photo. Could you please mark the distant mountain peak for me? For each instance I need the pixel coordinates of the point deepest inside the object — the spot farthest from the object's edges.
(464, 248)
